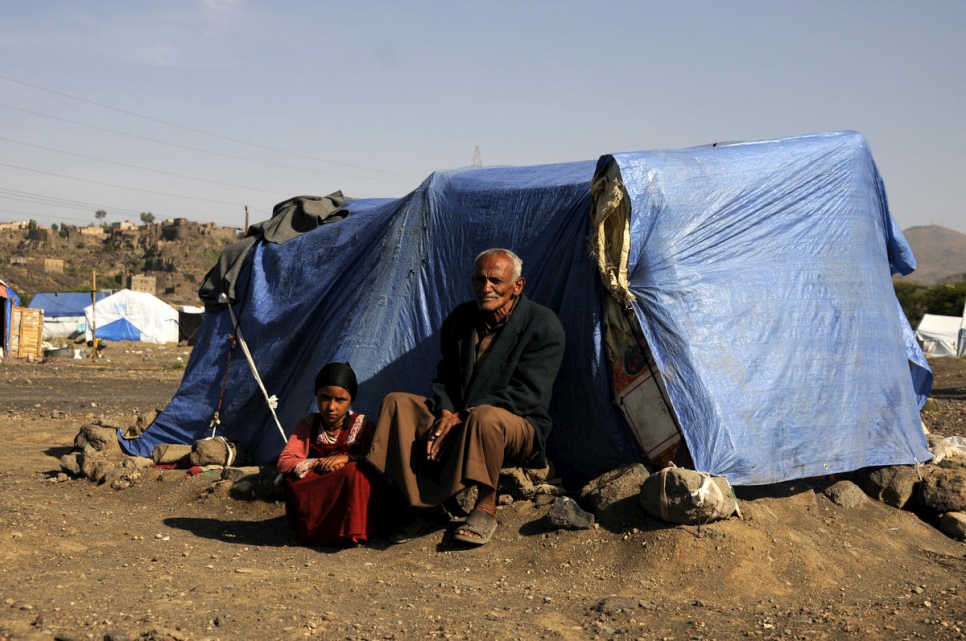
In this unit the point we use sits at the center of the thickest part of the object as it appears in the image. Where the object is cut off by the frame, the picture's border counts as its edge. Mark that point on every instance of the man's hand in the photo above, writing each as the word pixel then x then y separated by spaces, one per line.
pixel 438 433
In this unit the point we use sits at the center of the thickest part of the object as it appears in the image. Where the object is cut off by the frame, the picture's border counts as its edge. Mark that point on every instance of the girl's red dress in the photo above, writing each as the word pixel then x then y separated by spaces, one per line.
pixel 333 507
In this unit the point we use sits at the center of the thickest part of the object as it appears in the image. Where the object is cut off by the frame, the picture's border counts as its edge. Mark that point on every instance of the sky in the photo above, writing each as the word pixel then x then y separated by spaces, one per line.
pixel 199 108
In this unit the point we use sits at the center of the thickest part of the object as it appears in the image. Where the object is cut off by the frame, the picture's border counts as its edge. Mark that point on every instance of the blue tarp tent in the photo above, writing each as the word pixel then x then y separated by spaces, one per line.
pixel 760 275
pixel 59 304
pixel 63 312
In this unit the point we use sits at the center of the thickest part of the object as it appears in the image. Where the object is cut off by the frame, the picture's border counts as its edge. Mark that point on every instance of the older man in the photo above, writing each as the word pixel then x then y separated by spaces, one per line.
pixel 491 395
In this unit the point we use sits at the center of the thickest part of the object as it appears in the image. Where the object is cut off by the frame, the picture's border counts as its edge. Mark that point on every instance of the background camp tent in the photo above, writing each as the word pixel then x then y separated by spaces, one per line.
pixel 133 316
pixel 8 300
pixel 939 335
pixel 63 312
pixel 756 273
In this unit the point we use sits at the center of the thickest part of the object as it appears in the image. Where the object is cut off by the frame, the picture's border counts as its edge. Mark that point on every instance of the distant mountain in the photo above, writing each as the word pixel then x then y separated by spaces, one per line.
pixel 940 254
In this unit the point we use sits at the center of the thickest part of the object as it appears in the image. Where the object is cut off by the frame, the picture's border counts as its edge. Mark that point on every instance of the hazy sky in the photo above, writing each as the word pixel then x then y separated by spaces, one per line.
pixel 190 108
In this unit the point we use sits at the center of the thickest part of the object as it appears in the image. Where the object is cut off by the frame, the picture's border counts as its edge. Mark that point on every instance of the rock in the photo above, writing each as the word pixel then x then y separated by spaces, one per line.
pixel 166 453
pixel 614 495
pixel 894 485
pixel 953 524
pixel 682 498
pixel 259 486
pixel 846 494
pixel 71 463
pixel 538 475
pixel 463 502
pixel 238 473
pixel 102 438
pixel 616 604
pixel 102 468
pixel 943 490
pixel 565 514
pixel 212 451
pixel 87 462
pixel 137 462
pixel 515 482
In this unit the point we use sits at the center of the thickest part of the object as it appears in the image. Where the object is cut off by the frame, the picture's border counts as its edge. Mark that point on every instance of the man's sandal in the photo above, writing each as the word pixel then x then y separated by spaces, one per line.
pixel 479 523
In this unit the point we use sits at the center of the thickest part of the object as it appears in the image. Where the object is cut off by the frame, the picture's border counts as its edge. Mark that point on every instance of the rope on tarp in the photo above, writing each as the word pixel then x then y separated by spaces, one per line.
pixel 272 400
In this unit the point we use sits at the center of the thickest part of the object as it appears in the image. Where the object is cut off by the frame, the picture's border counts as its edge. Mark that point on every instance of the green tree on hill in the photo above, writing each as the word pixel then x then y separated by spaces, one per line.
pixel 147 217
pixel 100 214
pixel 944 299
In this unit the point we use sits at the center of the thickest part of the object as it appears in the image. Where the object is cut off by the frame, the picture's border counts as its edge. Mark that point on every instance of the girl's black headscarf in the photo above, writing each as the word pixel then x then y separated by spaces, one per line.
pixel 338 374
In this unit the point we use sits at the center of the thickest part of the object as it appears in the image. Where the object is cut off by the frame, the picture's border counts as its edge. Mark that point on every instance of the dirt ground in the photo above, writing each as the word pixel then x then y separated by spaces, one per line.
pixel 169 557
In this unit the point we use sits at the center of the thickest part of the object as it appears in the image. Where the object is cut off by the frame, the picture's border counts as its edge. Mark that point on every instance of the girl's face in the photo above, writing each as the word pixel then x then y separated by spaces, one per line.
pixel 333 405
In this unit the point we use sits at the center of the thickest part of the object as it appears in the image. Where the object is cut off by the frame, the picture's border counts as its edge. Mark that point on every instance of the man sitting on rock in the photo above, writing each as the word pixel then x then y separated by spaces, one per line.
pixel 491 395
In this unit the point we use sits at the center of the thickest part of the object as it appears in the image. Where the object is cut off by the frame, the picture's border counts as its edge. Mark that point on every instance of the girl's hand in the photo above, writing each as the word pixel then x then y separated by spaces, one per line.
pixel 332 463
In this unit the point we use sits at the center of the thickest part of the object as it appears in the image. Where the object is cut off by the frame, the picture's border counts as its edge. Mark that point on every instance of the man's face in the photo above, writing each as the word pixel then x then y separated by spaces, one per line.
pixel 494 285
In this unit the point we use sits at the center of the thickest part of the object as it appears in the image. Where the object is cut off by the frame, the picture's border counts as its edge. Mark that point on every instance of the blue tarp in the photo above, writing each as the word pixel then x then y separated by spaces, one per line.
pixel 762 282
pixel 58 304
pixel 762 277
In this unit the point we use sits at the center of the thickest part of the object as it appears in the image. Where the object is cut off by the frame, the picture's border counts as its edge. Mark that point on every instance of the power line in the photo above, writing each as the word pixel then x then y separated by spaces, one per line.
pixel 107 184
pixel 195 130
pixel 56 201
pixel 124 164
pixel 169 144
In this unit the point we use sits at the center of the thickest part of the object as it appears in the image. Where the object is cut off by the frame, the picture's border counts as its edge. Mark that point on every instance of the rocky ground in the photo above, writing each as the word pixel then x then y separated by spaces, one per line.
pixel 178 557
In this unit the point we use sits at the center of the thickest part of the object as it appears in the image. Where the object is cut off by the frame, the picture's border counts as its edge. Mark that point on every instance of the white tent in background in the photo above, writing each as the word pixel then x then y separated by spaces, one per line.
pixel 133 316
pixel 961 349
pixel 940 335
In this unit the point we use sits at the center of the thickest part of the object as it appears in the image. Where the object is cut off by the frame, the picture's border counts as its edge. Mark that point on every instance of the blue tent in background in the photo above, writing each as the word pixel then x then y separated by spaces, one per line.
pixel 759 273
pixel 63 312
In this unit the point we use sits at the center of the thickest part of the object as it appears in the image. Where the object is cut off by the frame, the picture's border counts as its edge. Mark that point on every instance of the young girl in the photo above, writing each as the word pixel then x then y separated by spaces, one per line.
pixel 328 494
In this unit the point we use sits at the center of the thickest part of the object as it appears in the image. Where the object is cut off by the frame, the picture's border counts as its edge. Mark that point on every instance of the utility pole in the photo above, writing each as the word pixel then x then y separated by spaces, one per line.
pixel 245 231
pixel 94 314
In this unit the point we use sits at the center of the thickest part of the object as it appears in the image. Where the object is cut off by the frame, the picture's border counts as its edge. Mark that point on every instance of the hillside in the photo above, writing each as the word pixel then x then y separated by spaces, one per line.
pixel 940 254
pixel 177 253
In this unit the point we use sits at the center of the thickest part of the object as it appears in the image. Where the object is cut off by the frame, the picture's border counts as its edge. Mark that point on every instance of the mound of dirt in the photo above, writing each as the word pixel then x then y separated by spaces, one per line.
pixel 175 556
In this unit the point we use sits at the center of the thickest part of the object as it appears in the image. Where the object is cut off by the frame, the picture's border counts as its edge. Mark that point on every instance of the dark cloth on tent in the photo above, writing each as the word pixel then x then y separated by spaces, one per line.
pixel 338 506
pixel 290 219
pixel 505 398
pixel 473 454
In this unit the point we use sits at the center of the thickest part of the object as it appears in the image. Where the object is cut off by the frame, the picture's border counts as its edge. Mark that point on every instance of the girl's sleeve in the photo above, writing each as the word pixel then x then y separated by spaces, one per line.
pixel 297 448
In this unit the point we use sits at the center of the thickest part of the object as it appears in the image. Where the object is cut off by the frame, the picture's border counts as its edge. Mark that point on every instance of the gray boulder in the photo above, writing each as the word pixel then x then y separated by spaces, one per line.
pixel 895 485
pixel 846 494
pixel 943 490
pixel 71 463
pixel 953 524
pixel 100 437
pixel 614 495
pixel 515 482
pixel 565 514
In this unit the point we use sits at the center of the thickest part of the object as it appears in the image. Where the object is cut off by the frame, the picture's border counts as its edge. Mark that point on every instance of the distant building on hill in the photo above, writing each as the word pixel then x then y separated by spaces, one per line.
pixel 46 265
pixel 142 283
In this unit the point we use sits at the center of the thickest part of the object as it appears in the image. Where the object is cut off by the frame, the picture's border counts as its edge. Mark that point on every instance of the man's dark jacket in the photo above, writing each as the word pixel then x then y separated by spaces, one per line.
pixel 517 372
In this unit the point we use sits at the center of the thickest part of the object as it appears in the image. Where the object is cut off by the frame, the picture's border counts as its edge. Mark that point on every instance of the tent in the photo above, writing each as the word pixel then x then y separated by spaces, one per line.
pixel 132 316
pixel 755 274
pixel 939 335
pixel 63 312
pixel 8 300
pixel 189 322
